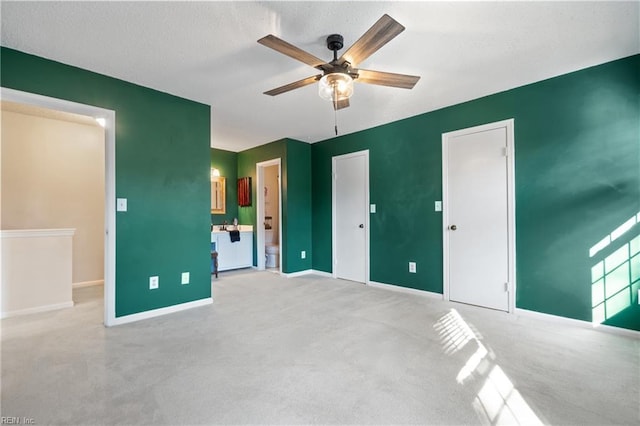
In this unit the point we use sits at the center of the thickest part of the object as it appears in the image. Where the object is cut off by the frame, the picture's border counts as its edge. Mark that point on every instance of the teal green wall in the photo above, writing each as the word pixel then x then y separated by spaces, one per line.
pixel 162 168
pixel 577 166
pixel 297 187
pixel 227 163
pixel 577 179
pixel 296 198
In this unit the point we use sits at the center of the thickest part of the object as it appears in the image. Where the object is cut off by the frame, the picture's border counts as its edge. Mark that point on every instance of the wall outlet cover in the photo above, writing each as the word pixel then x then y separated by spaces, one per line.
pixel 121 204
pixel 185 278
pixel 412 267
pixel 438 206
pixel 154 282
pixel 372 208
pixel 303 254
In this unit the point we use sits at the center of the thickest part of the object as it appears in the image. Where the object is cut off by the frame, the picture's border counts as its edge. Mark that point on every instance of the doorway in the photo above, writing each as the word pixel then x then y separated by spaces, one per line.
pixel 108 117
pixel 269 247
pixel 478 216
pixel 350 216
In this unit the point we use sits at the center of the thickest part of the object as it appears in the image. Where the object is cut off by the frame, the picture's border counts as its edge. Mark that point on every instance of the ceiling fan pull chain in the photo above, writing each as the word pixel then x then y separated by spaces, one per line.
pixel 335 115
pixel 335 107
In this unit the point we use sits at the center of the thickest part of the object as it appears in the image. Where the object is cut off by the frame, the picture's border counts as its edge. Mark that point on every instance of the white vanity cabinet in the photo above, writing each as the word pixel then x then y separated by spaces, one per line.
pixel 234 255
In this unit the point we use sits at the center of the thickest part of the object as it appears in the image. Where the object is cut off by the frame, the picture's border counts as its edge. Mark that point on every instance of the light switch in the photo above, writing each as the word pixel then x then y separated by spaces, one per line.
pixel 372 208
pixel 438 206
pixel 121 205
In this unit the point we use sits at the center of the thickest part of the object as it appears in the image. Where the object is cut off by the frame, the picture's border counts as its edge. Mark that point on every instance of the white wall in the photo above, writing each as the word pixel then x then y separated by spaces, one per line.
pixel 271 207
pixel 53 177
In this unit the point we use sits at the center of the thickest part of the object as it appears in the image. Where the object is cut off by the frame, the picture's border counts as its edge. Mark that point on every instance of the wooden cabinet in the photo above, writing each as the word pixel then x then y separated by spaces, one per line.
pixel 234 255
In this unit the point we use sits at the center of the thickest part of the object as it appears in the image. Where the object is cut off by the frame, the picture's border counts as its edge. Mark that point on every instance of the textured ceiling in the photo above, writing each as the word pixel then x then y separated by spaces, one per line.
pixel 207 52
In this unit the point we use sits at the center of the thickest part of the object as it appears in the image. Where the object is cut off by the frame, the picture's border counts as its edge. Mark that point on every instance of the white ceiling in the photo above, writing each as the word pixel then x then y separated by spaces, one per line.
pixel 207 52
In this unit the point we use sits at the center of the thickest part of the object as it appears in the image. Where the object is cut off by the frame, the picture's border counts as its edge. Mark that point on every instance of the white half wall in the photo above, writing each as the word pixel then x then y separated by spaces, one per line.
pixel 36 270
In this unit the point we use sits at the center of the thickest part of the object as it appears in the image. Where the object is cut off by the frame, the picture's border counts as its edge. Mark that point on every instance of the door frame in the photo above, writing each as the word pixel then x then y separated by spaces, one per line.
pixel 508 125
pixel 334 258
pixel 260 209
pixel 110 180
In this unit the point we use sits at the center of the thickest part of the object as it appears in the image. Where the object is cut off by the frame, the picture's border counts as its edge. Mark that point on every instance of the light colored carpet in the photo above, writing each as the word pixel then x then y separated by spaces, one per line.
pixel 314 350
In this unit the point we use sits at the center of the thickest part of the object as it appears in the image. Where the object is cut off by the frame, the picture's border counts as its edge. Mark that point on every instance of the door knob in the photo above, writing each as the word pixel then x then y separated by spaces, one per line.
pixel 453 227
pixel 361 226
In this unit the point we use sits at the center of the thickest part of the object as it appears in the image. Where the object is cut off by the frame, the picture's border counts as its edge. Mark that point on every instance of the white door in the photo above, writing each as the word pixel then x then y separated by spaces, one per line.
pixel 350 216
pixel 478 215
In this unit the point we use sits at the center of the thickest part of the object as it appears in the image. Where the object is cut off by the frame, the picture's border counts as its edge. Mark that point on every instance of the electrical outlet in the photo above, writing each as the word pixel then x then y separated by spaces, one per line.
pixel 412 267
pixel 154 282
pixel 303 254
pixel 438 206
pixel 372 208
pixel 185 278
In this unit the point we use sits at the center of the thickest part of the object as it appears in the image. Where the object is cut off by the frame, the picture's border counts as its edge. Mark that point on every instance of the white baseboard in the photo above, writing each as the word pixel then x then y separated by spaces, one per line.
pixel 161 311
pixel 308 272
pixel 297 274
pixel 322 273
pixel 577 323
pixel 37 309
pixel 408 290
pixel 87 283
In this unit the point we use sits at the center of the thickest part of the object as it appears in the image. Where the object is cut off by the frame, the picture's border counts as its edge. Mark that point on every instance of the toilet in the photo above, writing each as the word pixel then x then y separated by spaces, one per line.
pixel 272 249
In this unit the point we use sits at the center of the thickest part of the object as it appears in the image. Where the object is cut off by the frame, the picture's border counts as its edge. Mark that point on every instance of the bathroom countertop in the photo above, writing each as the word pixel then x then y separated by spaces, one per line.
pixel 241 228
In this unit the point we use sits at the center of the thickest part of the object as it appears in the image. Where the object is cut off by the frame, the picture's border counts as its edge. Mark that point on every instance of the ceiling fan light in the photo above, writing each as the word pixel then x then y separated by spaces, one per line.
pixel 334 85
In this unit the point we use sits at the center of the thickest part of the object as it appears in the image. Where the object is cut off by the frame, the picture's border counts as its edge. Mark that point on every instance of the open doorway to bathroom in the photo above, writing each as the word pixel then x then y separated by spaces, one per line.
pixel 269 215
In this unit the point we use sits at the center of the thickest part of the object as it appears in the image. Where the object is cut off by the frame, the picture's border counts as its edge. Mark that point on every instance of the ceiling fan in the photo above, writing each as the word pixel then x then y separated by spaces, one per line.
pixel 336 80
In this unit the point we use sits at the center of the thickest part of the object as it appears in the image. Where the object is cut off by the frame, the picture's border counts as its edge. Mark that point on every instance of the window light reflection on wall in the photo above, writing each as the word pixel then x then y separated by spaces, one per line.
pixel 615 278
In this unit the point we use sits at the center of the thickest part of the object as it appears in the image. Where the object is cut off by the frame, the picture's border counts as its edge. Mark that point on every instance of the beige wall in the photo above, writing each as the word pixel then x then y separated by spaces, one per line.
pixel 53 177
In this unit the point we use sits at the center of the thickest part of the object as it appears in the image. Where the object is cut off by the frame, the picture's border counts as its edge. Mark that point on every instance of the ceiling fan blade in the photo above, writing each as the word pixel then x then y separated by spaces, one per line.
pixel 295 85
pixel 340 104
pixel 380 78
pixel 377 36
pixel 290 50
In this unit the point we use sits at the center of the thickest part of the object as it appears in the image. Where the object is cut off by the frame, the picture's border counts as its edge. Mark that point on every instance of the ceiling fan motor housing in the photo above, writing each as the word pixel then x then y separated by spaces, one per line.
pixel 335 42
